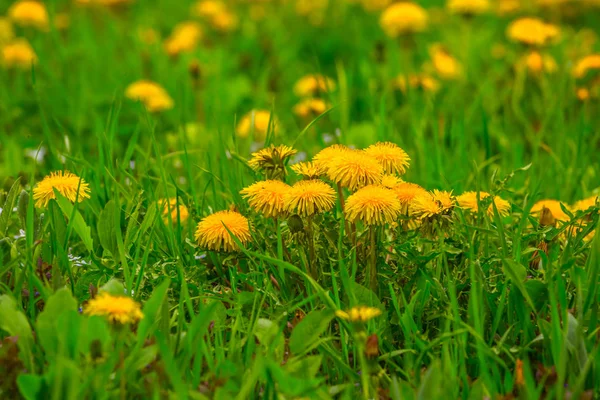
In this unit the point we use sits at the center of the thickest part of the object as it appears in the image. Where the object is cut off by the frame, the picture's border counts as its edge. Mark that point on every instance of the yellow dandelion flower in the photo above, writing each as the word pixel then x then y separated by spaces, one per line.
pixel 468 201
pixel 553 206
pixel 406 192
pixel 505 7
pixel 118 309
pixel 67 184
pixel 152 95
pixel 270 158
pixel 29 13
pixel 324 157
pixel 159 103
pixel 373 205
pixel 586 64
pixel 257 121
pixel 355 169
pixel 225 21
pixel 585 204
pixel 308 170
pixel 359 314
pixel 470 7
pixel 211 233
pixel 532 31
pixel 390 181
pixel 431 204
pixel 266 197
pixel 176 210
pixel 393 158
pixel 184 38
pixel 18 54
pixel 583 94
pixel 6 30
pixel 422 82
pixel 444 199
pixel 404 17
pixel 208 8
pixel 310 108
pixel 309 197
pixel 312 85
pixel 537 63
pixel 446 66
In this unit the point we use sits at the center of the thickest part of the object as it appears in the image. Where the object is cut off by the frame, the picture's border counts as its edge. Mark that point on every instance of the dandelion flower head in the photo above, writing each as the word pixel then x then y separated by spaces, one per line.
pixel 266 197
pixel 67 184
pixel 554 206
pixel 177 210
pixel 470 7
pixel 393 158
pixel 355 169
pixel 403 17
pixel 359 314
pixel 29 13
pixel 324 157
pixel 468 201
pixel 309 197
pixel 311 85
pixel 532 31
pixel 308 169
pixel 586 64
pixel 373 205
pixel 118 309
pixel 259 122
pixel 212 234
pixel 18 54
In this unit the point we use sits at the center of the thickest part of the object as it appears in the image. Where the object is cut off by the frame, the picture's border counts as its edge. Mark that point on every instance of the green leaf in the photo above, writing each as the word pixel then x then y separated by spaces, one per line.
pixel 307 332
pixel 30 386
pixel 517 274
pixel 431 385
pixel 48 330
pixel 15 323
pixel 151 309
pixel 8 207
pixel 76 220
pixel 114 287
pixel 305 367
pixel 107 229
pixel 538 292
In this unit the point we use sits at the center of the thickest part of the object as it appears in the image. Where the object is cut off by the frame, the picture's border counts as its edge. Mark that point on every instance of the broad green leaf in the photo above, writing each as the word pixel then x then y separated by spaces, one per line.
pixel 305 367
pixel 152 309
pixel 15 323
pixel 307 332
pixel 114 287
pixel 432 383
pixel 47 327
pixel 107 229
pixel 78 223
pixel 30 386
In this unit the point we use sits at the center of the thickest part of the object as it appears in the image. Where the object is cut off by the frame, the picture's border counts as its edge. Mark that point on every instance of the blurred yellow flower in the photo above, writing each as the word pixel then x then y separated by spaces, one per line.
pixel 308 170
pixel 266 197
pixel 208 8
pixel 583 94
pixel 29 13
pixel 310 108
pixel 583 205
pixel 421 82
pixel 468 201
pixel 391 156
pixel 373 205
pixel 67 184
pixel 309 197
pixel 446 66
pixel 404 17
pixel 153 96
pixel 537 63
pixel 177 210
pixel 7 32
pixel 312 85
pixel 359 314
pixel 505 7
pixel 117 309
pixel 18 54
pixel 355 169
pixel 184 38
pixel 211 232
pixel 225 21
pixel 375 5
pixel 258 123
pixel 554 206
pixel 532 31
pixel 586 64
pixel 468 6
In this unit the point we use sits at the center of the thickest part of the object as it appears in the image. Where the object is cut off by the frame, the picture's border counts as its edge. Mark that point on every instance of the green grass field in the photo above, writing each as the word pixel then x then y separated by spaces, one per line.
pixel 458 261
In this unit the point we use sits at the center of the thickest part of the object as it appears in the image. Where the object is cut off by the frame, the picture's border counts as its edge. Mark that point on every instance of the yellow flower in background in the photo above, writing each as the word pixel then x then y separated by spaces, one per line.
pixel 537 63
pixel 446 66
pixel 586 64
pixel 583 94
pixel 177 210
pixel 553 206
pixel 271 157
pixel 29 13
pixel 373 205
pixel 154 97
pixel 355 169
pixel 311 85
pixel 359 314
pixel 7 32
pixel 310 108
pixel 532 31
pixel 208 8
pixel 67 184
pixel 308 170
pixel 375 5
pixel 309 197
pixel 468 6
pixel 266 197
pixel 468 201
pixel 323 158
pixel 225 21
pixel 391 156
pixel 211 233
pixel 184 38
pixel 421 82
pixel 18 54
pixel 585 204
pixel 257 122
pixel 402 18
pixel 117 309
pixel 505 7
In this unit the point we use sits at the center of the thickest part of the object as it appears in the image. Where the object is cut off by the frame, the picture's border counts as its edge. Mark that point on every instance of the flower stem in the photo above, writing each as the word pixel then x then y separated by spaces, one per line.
pixel 312 268
pixel 343 206
pixel 372 267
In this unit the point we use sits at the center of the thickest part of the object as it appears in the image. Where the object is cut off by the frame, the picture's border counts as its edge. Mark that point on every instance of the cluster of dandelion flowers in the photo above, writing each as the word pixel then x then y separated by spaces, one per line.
pixel 308 170
pixel 468 7
pixel 359 314
pixel 257 122
pixel 532 31
pixel 373 205
pixel 29 13
pixel 18 54
pixel 553 206
pixel 266 197
pixel 355 169
pixel 311 85
pixel 67 184
pixel 402 18
pixel 212 232
pixel 468 201
pixel 309 197
pixel 154 97
pixel 393 158
pixel 176 208
pixel 324 157
pixel 117 309
pixel 431 204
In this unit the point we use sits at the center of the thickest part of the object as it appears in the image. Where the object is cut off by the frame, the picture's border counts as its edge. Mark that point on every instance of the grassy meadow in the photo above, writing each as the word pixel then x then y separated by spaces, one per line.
pixel 299 199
